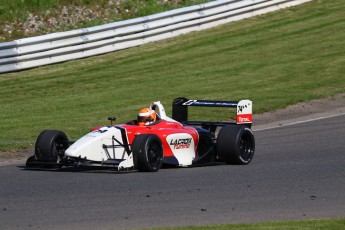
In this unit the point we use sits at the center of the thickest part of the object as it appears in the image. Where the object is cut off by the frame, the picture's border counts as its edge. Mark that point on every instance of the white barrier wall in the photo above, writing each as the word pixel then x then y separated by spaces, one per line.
pixel 59 47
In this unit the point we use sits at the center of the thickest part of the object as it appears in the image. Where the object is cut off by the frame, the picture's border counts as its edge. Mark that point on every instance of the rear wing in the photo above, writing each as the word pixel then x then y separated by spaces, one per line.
pixel 243 109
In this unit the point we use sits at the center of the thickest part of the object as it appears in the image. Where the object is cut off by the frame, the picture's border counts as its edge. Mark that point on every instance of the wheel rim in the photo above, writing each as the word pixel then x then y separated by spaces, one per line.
pixel 59 148
pixel 154 154
pixel 246 147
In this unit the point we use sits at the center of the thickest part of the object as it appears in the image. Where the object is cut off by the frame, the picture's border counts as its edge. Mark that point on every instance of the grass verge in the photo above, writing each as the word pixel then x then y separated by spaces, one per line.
pixel 23 18
pixel 327 224
pixel 278 59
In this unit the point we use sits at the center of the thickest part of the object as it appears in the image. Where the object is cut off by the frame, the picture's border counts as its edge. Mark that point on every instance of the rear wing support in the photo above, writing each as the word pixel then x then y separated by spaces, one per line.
pixel 243 108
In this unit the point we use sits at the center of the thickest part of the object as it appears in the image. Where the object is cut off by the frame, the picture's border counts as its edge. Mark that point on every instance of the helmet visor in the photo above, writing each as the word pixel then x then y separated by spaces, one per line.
pixel 145 119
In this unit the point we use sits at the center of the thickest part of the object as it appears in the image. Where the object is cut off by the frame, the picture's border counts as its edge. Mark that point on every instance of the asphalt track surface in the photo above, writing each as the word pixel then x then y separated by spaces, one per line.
pixel 298 172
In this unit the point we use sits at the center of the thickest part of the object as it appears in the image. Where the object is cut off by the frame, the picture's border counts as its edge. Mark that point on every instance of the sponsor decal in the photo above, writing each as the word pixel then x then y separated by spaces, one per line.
pixel 101 131
pixel 182 147
pixel 241 108
pixel 244 118
pixel 190 102
pixel 181 143
pixel 210 103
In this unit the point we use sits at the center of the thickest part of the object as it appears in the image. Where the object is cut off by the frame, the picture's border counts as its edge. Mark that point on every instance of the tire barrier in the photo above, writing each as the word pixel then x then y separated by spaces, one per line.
pixel 64 46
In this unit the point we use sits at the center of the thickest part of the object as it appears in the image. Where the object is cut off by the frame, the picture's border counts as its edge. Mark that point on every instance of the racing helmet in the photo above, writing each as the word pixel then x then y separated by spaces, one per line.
pixel 146 116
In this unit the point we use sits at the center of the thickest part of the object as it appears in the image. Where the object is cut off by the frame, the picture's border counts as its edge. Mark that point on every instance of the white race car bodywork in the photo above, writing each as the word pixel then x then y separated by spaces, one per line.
pixel 182 146
pixel 93 146
pixel 173 141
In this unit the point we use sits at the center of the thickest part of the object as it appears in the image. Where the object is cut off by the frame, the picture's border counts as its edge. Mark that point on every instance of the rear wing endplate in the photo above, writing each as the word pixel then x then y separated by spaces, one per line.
pixel 243 108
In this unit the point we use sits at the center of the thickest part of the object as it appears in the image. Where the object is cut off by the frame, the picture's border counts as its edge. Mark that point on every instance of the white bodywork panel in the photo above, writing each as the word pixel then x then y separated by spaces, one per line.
pixel 182 146
pixel 244 112
pixel 161 111
pixel 244 107
pixel 90 146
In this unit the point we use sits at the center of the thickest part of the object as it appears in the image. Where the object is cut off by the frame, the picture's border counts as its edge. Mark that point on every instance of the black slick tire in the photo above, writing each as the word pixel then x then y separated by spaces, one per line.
pixel 50 146
pixel 235 145
pixel 147 153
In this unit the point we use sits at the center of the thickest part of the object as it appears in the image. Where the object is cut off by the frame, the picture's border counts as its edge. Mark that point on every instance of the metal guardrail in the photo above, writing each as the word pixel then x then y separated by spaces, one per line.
pixel 64 46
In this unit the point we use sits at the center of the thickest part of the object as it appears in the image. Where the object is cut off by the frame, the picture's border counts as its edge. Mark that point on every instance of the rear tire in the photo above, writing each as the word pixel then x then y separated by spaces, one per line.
pixel 235 145
pixel 147 153
pixel 50 146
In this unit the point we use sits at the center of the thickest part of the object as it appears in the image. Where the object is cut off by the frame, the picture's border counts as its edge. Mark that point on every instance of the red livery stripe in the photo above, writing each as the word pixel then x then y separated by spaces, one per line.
pixel 244 118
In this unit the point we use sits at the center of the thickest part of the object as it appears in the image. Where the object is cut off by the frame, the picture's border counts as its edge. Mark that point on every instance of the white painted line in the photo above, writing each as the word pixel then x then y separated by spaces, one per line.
pixel 298 122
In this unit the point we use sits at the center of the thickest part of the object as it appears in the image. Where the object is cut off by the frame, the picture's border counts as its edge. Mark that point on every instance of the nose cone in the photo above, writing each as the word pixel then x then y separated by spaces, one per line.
pixel 91 146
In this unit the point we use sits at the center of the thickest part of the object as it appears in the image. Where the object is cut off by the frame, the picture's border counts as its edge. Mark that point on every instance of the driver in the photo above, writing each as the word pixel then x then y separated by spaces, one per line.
pixel 146 116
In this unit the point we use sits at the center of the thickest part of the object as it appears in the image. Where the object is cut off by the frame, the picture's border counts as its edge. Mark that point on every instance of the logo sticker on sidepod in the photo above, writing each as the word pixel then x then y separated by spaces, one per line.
pixel 180 143
pixel 182 146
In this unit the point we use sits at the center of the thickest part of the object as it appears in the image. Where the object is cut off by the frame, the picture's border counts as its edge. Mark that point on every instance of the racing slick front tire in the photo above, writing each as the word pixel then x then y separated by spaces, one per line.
pixel 235 144
pixel 50 147
pixel 147 153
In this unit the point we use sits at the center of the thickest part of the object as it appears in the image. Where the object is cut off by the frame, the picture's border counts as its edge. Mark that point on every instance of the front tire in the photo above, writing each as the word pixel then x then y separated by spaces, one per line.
pixel 235 145
pixel 50 146
pixel 147 153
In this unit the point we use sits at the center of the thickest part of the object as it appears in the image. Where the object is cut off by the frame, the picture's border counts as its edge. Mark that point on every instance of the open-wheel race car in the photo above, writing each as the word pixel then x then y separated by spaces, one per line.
pixel 172 141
